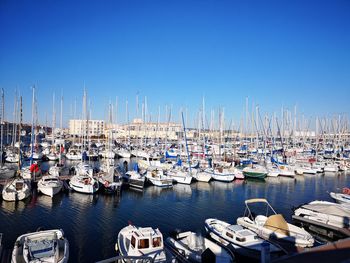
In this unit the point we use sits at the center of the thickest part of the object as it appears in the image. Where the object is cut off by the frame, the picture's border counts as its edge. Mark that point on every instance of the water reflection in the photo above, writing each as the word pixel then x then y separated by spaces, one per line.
pixel 92 222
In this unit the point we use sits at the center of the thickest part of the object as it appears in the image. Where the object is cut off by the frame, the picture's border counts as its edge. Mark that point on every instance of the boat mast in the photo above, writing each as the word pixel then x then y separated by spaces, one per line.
pixel 188 155
pixel 32 134
pixel 19 136
pixel 2 117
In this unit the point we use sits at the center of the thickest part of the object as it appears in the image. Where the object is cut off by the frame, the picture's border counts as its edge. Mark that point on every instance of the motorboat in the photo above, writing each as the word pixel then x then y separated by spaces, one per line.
pixel 41 246
pixel 50 185
pixel 273 226
pixel 286 170
pixel 273 171
pixel 238 239
pixel 135 179
pixel 325 218
pixel 141 241
pixel 158 178
pixel 195 248
pixel 180 175
pixel 341 198
pixel 201 176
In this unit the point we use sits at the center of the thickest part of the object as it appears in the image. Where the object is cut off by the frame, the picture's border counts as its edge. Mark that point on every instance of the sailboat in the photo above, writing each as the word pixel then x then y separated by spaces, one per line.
pixel 5 171
pixel 18 188
pixel 83 181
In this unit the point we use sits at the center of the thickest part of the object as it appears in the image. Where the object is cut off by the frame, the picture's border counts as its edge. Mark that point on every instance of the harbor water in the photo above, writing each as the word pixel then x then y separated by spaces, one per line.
pixel 92 222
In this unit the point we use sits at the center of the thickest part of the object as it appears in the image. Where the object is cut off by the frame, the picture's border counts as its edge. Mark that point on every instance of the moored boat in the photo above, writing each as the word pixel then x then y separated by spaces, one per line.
pixel 141 241
pixel 41 246
pixel 273 226
pixel 194 248
pixel 238 239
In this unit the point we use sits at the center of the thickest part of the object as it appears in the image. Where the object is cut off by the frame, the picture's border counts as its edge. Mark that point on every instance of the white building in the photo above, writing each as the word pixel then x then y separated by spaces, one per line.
pixel 140 129
pixel 83 127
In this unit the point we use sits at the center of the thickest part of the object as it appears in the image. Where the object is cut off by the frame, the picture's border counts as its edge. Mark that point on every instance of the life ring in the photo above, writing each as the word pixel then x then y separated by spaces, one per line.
pixel 346 191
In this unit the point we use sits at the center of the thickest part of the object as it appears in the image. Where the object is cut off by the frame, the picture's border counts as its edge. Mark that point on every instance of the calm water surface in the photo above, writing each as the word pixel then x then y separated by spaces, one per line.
pixel 92 222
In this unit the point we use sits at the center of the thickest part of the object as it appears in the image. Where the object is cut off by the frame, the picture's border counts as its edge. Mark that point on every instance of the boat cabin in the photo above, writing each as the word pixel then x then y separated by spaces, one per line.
pixel 147 239
pixel 237 234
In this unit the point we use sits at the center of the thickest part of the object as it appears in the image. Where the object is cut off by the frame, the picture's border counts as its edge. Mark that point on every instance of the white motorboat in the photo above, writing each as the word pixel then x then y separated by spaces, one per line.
pixel 16 190
pixel 238 239
pixel 221 174
pixel 272 171
pixel 135 179
pixel 180 176
pixel 201 176
pixel 340 198
pixel 191 247
pixel 158 178
pixel 84 184
pixel 50 185
pixel 41 246
pixel 272 226
pixel 325 218
pixel 141 241
pixel 286 171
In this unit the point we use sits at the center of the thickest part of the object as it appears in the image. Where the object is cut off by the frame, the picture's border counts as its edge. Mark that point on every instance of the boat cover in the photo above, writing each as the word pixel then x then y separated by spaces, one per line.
pixel 329 208
pixel 278 224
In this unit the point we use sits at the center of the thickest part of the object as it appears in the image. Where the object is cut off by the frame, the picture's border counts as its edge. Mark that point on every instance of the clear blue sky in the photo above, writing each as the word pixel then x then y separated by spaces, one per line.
pixel 174 52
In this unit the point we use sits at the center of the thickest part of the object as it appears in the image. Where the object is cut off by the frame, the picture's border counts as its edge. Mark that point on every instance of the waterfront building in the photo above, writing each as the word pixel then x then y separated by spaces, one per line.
pixel 86 127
